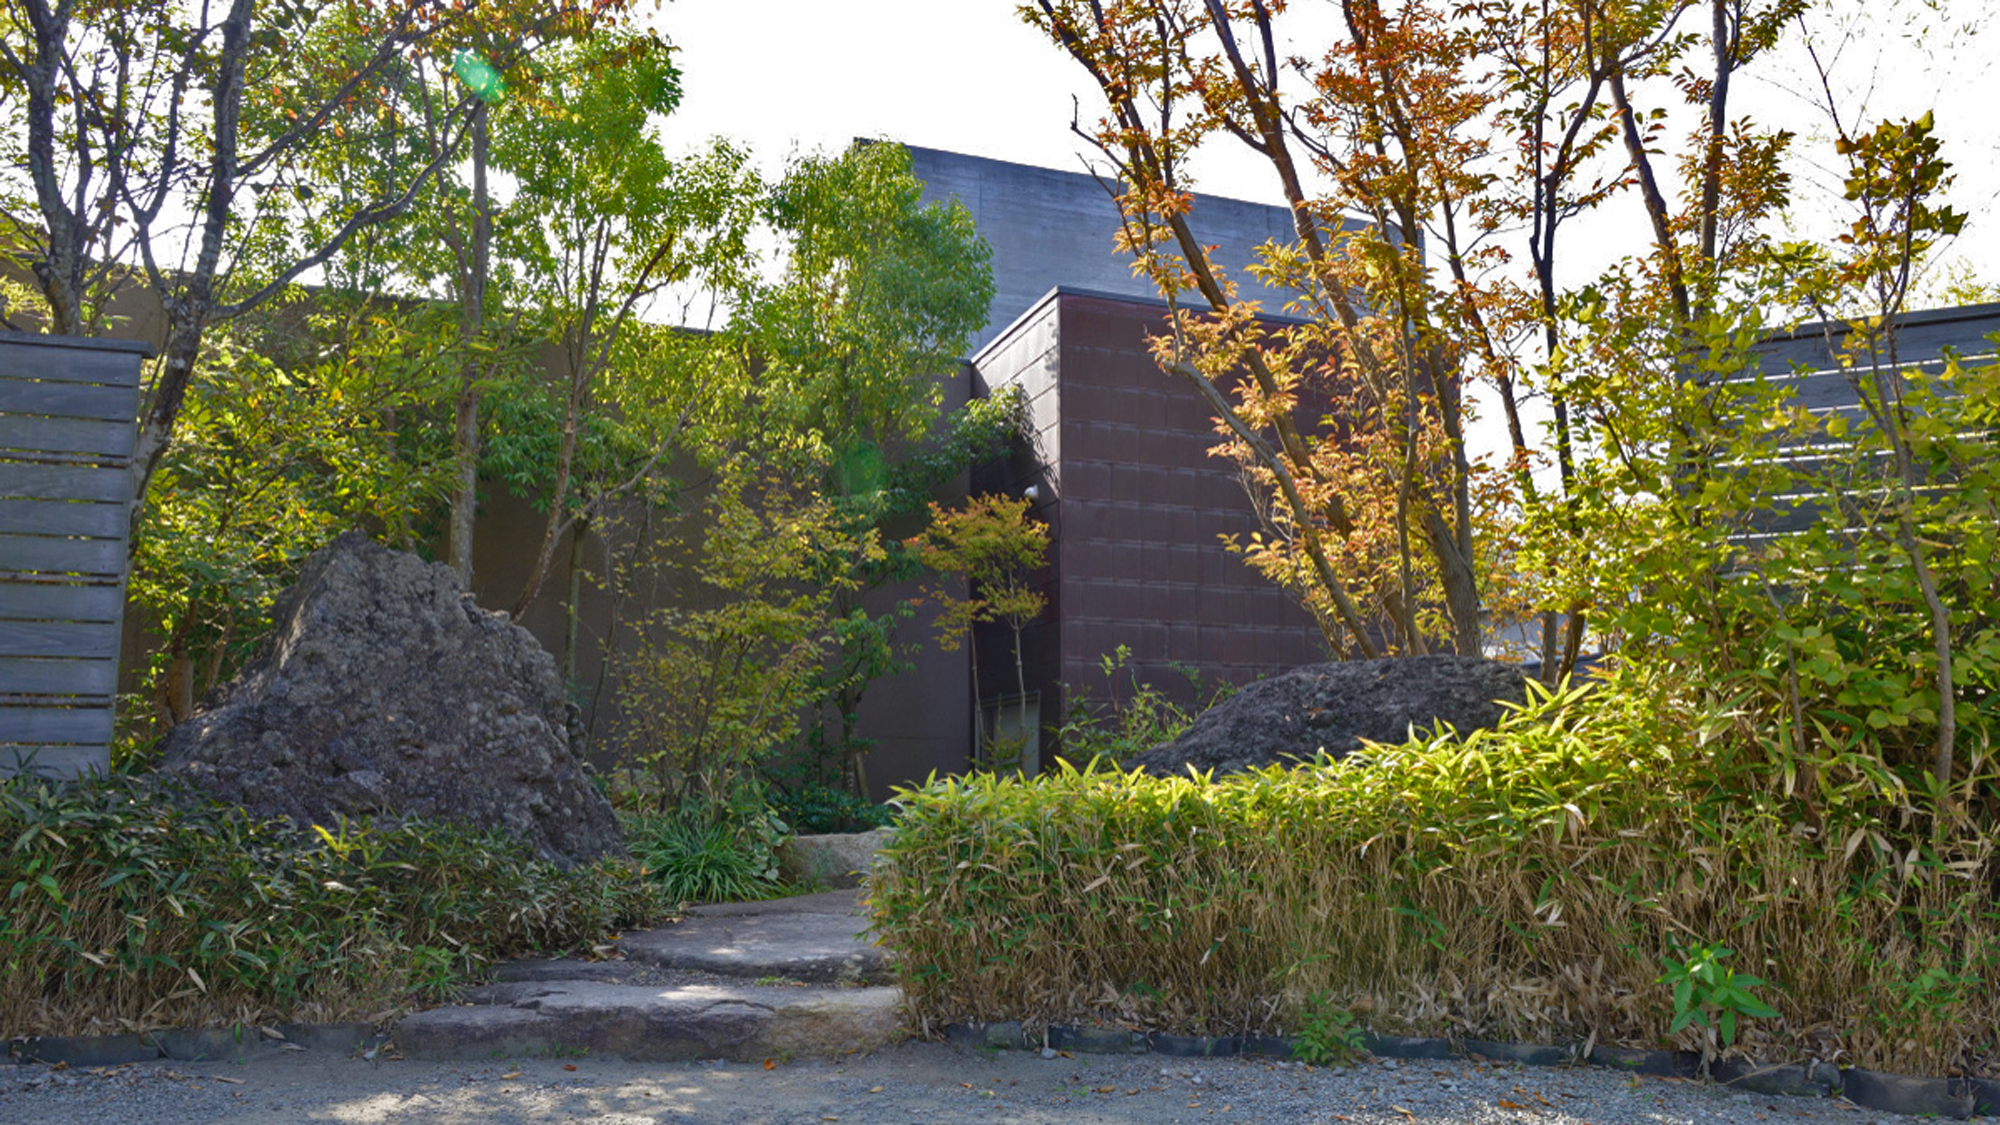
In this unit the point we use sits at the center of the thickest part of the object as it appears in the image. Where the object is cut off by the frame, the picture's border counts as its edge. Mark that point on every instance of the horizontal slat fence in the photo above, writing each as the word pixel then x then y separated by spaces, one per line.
pixel 67 410
pixel 1805 361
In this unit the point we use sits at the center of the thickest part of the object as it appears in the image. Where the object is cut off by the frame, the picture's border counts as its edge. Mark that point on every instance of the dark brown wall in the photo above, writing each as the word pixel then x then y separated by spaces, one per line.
pixel 1135 505
pixel 918 720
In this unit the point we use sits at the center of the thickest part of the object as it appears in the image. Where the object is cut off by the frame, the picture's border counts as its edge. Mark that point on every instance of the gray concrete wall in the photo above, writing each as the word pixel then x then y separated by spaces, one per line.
pixel 1050 228
pixel 1026 356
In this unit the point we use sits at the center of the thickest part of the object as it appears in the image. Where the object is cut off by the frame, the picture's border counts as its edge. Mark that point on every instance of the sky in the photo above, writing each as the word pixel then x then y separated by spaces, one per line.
pixel 790 76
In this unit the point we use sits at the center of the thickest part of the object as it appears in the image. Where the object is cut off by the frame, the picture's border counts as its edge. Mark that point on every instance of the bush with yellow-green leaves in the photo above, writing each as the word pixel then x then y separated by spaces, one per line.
pixel 1540 882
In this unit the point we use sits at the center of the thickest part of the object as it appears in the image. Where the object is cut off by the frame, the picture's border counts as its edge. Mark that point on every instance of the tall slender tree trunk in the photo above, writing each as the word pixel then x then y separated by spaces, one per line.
pixel 1021 685
pixel 573 620
pixel 472 320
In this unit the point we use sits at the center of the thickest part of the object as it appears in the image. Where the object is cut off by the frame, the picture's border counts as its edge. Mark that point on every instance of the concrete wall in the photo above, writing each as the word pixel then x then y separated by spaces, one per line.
pixel 1050 227
pixel 1027 356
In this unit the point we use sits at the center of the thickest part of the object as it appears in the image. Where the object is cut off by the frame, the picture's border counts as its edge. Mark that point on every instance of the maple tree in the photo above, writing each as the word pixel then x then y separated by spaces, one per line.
pixel 1423 150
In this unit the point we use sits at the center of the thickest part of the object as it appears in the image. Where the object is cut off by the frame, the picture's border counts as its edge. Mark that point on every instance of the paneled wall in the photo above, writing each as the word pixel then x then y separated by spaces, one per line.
pixel 66 428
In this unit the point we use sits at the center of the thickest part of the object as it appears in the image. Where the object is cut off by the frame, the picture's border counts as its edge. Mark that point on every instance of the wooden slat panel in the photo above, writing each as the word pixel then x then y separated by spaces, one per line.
pixel 58 677
pixel 49 555
pixel 58 601
pixel 68 400
pixel 55 761
pixel 69 365
pixel 64 482
pixel 55 724
pixel 1916 340
pixel 62 517
pixel 65 435
pixel 1783 519
pixel 58 638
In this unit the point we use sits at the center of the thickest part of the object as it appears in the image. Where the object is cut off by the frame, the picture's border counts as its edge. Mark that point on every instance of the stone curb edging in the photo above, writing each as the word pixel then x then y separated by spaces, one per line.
pixel 197 1044
pixel 1956 1098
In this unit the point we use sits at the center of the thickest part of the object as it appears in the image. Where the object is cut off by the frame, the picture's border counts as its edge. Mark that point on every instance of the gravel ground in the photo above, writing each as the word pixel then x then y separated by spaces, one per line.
pixel 922 1083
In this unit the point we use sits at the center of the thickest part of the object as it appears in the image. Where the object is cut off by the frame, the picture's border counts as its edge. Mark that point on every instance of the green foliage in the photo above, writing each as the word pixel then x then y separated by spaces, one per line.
pixel 1541 870
pixel 313 419
pixel 717 683
pixel 813 807
pixel 992 549
pixel 1824 627
pixel 1327 1035
pixel 1711 996
pixel 129 906
pixel 707 854
pixel 1134 719
pixel 878 298
pixel 991 544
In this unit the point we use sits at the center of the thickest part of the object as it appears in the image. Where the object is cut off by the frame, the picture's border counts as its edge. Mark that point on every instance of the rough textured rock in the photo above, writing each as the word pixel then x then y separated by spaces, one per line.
pixel 383 691
pixel 1333 707
pixel 833 859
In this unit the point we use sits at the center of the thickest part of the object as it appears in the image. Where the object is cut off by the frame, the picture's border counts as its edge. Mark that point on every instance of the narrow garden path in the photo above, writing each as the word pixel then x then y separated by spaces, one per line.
pixel 790 977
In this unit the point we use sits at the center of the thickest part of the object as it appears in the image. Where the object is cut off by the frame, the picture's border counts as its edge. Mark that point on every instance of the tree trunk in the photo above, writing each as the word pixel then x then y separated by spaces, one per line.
pixel 572 629
pixel 1021 683
pixel 472 318
pixel 163 409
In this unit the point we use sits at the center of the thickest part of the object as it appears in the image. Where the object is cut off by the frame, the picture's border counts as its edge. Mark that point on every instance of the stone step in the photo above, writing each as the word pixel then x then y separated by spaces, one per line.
pixel 814 938
pixel 742 981
pixel 642 1023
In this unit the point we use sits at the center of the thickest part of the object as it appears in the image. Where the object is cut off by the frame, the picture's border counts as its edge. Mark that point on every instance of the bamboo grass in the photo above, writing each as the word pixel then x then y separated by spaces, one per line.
pixel 128 910
pixel 1526 883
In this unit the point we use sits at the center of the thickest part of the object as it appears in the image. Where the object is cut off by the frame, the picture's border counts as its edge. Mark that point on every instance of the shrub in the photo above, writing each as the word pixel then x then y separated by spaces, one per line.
pixel 129 910
pixel 719 681
pixel 1522 883
pixel 707 854
pixel 1136 718
pixel 813 807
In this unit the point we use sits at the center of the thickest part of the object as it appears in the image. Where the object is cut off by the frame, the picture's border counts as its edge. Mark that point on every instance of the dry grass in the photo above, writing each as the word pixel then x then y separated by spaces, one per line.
pixel 1523 884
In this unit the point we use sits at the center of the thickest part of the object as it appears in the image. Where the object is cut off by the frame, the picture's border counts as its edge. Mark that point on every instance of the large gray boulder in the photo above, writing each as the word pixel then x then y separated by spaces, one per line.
pixel 384 692
pixel 1333 707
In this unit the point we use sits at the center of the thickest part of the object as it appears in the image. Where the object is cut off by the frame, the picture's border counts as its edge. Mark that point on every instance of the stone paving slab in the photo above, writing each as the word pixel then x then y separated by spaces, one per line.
pixel 815 938
pixel 847 901
pixel 738 1022
pixel 745 981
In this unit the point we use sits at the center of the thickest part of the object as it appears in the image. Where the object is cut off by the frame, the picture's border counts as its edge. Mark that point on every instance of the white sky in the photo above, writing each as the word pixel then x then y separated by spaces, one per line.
pixel 969 75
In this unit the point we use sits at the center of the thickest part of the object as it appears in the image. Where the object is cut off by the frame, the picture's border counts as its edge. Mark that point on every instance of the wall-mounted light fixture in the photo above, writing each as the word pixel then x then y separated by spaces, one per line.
pixel 1032 492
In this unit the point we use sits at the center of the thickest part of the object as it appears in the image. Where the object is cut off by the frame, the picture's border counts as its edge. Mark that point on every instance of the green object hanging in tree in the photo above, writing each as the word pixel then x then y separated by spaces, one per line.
pixel 480 76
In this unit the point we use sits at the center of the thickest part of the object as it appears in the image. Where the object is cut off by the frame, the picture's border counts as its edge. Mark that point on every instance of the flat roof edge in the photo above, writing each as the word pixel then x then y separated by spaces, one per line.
pixel 82 343
pixel 1988 311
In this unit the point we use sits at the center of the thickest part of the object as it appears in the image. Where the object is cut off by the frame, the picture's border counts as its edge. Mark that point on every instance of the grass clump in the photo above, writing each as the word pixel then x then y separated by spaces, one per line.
pixel 699 854
pixel 1524 883
pixel 127 911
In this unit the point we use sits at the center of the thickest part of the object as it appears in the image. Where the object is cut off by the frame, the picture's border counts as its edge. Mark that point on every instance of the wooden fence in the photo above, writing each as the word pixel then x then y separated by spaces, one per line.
pixel 67 411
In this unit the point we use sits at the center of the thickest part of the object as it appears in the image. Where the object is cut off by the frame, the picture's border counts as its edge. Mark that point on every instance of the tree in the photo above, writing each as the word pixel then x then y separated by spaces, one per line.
pixel 311 421
pixel 855 335
pixel 173 145
pixel 1403 123
pixel 992 549
pixel 719 682
pixel 602 222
